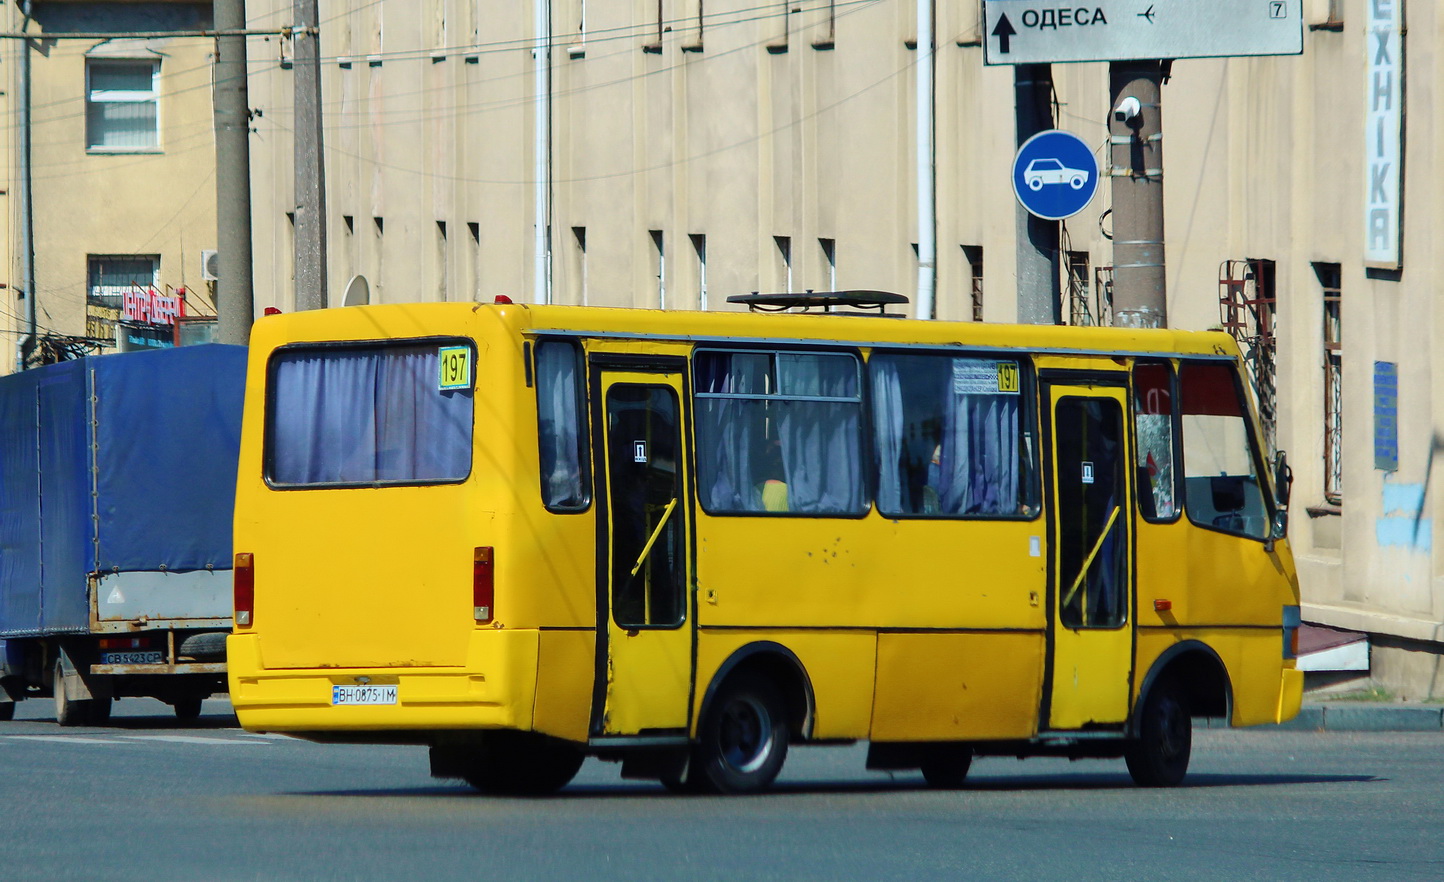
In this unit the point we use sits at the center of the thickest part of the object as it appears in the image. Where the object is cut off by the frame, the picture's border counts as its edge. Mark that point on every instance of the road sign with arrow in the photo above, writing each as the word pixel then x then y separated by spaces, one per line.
pixel 1049 31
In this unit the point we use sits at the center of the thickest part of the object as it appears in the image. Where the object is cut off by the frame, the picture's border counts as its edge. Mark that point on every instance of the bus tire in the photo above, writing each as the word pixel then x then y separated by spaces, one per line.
pixel 743 740
pixel 523 764
pixel 1159 756
pixel 947 769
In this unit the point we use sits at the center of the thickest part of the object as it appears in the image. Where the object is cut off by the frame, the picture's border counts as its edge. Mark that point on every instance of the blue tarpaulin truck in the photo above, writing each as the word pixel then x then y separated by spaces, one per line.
pixel 117 485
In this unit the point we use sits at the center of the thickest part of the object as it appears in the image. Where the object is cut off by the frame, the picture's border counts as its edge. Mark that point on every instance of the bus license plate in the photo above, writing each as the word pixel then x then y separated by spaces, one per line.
pixel 363 695
pixel 132 658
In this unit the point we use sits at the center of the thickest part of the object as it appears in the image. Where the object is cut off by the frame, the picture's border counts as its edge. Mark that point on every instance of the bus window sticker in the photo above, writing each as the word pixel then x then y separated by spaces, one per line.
pixel 976 377
pixel 455 368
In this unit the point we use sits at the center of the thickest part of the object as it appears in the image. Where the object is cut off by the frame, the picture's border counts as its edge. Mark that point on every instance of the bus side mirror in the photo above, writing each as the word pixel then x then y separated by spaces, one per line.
pixel 1283 484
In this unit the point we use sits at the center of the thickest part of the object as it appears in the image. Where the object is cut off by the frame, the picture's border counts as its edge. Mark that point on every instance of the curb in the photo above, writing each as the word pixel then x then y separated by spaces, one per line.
pixel 1364 718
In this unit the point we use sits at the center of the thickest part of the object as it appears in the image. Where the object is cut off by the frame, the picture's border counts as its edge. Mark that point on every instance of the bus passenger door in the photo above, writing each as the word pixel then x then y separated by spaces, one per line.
pixel 645 555
pixel 1090 624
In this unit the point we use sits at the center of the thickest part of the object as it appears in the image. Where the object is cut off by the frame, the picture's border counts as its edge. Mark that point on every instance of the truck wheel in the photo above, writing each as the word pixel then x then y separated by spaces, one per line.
pixel 947 768
pixel 7 710
pixel 68 712
pixel 99 711
pixel 187 708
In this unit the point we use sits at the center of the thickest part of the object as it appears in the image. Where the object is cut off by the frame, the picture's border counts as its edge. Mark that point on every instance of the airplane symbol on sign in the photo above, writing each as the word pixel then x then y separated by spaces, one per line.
pixel 1148 14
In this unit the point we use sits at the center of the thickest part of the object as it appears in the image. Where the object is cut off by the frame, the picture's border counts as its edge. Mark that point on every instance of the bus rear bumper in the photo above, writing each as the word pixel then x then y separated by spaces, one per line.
pixel 494 690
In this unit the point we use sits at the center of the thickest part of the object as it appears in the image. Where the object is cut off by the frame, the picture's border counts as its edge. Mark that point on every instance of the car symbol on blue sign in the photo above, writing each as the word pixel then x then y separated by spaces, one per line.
pixel 1055 174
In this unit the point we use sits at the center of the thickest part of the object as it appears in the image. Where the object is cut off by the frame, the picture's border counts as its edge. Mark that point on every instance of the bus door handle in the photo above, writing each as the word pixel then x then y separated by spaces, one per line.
pixel 651 540
pixel 1088 561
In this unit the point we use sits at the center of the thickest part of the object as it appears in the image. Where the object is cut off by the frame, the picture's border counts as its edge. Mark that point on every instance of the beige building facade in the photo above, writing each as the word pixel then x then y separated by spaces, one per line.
pixel 669 153
pixel 121 174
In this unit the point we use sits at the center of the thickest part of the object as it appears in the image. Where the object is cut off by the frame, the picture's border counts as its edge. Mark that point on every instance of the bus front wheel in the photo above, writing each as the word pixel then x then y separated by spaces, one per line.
pixel 743 740
pixel 1159 756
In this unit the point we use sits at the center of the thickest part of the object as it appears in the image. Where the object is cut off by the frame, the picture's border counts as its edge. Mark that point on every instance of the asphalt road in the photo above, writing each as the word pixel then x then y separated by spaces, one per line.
pixel 147 799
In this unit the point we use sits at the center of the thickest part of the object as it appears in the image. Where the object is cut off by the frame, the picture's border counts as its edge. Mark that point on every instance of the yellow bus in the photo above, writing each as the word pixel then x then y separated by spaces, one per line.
pixel 523 535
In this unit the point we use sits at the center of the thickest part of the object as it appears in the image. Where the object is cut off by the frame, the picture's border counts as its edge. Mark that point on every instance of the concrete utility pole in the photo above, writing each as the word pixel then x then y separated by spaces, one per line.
pixel 235 297
pixel 1135 129
pixel 1038 261
pixel 310 271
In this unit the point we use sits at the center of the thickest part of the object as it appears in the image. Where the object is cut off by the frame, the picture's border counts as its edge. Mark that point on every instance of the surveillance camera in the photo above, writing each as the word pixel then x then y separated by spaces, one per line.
pixel 1128 109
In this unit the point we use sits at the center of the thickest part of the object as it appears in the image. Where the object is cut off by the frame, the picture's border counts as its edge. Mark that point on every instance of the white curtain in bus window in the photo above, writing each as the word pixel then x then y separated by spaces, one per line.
pixel 949 435
pixel 1153 421
pixel 1221 486
pixel 779 432
pixel 366 415
pixel 559 426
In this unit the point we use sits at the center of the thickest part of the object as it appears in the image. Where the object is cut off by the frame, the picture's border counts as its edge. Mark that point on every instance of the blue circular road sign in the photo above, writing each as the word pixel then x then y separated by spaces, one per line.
pixel 1055 174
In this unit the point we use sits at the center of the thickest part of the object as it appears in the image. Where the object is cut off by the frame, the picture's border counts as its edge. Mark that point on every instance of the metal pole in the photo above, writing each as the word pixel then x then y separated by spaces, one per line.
pixel 1038 265
pixel 310 271
pixel 235 293
pixel 926 189
pixel 25 344
pixel 1136 138
pixel 541 154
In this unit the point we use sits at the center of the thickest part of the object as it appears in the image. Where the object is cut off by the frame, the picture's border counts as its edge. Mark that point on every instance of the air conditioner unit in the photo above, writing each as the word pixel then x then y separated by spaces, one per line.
pixel 210 265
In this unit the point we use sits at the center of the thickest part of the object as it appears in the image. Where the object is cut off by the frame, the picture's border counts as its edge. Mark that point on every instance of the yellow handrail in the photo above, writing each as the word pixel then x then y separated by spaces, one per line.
pixel 1088 562
pixel 646 549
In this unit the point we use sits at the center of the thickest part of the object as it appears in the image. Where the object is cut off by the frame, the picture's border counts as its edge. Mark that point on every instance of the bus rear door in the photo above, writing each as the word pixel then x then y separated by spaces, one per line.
pixel 1091 620
pixel 644 566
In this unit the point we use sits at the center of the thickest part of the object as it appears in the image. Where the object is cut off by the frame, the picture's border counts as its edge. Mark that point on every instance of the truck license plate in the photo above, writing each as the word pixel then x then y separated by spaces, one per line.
pixel 132 658
pixel 363 695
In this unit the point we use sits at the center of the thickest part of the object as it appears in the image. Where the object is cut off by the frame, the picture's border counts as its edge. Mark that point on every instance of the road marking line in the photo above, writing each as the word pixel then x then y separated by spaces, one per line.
pixel 185 739
pixel 68 739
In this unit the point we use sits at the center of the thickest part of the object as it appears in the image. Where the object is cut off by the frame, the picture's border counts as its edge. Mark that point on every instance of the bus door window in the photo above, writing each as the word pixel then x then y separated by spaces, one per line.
pixel 951 436
pixel 1092 523
pixel 1153 429
pixel 648 563
pixel 1220 471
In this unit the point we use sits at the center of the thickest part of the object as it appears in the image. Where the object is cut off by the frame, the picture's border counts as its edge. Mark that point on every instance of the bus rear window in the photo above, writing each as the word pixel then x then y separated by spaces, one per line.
pixel 365 415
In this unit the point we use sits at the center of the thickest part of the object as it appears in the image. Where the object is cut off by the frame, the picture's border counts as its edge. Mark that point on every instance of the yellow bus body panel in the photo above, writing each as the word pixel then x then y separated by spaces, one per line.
pixel 839 666
pixel 958 687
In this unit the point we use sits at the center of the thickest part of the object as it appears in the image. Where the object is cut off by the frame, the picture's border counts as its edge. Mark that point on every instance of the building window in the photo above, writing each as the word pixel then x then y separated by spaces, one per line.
pixel 658 246
pixel 699 245
pixel 1329 281
pixel 1247 305
pixel 122 105
pixel 1080 298
pixel 109 279
pixel 973 254
pixel 784 254
pixel 829 261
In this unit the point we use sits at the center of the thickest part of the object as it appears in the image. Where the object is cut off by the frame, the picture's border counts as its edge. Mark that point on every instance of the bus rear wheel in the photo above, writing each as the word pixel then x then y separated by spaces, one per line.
pixel 1159 757
pixel 523 764
pixel 743 740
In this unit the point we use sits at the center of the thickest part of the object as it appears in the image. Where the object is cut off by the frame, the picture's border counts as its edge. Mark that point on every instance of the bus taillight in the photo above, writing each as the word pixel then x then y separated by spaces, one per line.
pixel 243 581
pixel 483 585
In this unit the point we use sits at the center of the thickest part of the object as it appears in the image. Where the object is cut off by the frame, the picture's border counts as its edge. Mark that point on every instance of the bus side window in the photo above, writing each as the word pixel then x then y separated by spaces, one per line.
pixel 1220 476
pixel 950 436
pixel 561 427
pixel 1153 429
pixel 779 432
